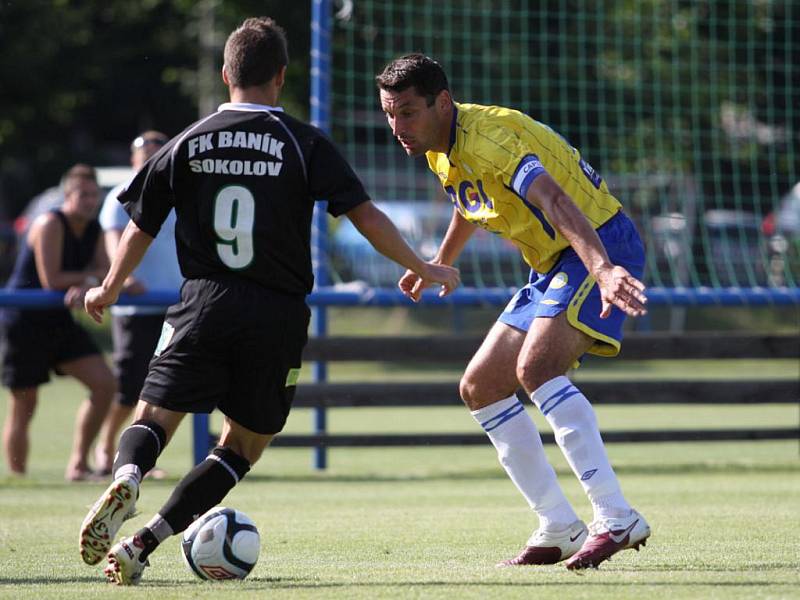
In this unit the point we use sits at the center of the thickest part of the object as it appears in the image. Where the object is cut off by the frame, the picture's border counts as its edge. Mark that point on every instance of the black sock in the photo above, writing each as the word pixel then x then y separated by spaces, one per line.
pixel 149 541
pixel 204 487
pixel 140 444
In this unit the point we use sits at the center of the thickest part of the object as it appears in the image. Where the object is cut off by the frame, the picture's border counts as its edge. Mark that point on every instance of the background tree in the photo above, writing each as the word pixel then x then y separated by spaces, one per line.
pixel 78 80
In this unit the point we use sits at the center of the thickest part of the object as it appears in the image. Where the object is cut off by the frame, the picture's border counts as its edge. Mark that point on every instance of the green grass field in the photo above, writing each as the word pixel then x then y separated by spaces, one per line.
pixel 432 522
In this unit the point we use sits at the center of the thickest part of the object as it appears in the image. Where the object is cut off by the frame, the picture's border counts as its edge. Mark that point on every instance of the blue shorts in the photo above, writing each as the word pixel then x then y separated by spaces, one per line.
pixel 569 287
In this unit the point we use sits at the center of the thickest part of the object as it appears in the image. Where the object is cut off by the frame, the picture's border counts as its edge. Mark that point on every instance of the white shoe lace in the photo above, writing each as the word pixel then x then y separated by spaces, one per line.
pixel 601 526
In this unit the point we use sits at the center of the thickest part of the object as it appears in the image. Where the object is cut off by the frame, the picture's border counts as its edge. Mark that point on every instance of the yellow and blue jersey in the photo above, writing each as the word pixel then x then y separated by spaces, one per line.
pixel 495 154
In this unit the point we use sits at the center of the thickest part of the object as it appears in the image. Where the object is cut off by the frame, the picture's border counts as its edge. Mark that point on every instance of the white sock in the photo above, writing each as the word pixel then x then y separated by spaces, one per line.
pixel 160 528
pixel 519 448
pixel 129 471
pixel 575 426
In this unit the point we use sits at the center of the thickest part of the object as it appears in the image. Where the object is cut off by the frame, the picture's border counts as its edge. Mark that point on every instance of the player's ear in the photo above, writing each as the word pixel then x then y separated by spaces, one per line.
pixel 444 100
pixel 225 79
pixel 280 77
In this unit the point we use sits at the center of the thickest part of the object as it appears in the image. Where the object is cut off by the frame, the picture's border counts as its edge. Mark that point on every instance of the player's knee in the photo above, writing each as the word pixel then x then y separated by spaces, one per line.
pixel 477 393
pixel 469 390
pixel 529 375
pixel 533 373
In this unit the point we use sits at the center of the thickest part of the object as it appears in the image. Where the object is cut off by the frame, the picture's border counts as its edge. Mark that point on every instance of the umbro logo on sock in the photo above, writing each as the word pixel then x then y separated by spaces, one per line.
pixel 588 475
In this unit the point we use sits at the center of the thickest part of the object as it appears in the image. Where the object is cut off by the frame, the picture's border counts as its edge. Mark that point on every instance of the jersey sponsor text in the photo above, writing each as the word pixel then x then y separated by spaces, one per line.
pixel 235 167
pixel 236 139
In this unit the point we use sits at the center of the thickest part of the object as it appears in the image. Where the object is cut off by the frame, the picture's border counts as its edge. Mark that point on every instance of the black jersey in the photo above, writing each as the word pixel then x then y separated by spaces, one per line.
pixel 243 182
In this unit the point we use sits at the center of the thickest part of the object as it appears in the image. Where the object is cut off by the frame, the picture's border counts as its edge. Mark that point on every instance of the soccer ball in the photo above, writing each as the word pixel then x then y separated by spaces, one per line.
pixel 221 544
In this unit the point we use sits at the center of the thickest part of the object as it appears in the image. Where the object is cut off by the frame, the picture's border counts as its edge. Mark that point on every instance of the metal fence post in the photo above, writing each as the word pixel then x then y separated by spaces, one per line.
pixel 320 109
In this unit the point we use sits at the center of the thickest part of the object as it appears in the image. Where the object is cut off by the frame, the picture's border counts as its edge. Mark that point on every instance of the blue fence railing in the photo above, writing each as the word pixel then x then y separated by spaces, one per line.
pixel 334 296
pixel 376 297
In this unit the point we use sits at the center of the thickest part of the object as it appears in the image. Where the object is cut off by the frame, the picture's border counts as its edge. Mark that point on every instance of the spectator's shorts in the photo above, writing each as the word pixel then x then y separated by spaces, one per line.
pixel 31 346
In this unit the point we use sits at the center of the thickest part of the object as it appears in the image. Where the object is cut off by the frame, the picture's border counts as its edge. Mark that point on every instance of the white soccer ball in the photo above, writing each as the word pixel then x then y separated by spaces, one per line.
pixel 221 544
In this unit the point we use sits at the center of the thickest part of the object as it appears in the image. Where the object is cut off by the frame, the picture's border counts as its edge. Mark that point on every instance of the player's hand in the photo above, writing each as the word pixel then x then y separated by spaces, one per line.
pixel 96 300
pixel 412 284
pixel 621 289
pixel 449 277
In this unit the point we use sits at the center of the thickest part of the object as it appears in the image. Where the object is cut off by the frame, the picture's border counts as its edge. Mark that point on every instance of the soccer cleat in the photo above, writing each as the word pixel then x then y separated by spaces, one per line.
pixel 609 536
pixel 115 505
pixel 549 547
pixel 124 566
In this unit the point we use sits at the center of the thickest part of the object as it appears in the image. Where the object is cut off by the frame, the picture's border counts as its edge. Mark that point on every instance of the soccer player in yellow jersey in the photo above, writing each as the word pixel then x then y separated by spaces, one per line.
pixel 516 177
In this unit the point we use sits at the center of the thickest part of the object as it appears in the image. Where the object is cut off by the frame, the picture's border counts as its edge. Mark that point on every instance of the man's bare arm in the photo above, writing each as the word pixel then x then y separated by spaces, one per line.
pixel 617 286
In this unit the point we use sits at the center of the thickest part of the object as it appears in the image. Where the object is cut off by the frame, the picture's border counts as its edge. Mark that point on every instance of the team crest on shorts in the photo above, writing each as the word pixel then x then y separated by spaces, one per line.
pixel 559 281
pixel 167 331
pixel 292 376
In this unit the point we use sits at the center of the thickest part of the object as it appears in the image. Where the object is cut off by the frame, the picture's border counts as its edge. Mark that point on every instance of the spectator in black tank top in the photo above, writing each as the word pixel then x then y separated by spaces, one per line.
pixel 63 251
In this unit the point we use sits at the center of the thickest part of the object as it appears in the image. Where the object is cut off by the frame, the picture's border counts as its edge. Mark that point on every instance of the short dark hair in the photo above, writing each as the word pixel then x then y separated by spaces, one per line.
pixel 255 52
pixel 78 172
pixel 416 70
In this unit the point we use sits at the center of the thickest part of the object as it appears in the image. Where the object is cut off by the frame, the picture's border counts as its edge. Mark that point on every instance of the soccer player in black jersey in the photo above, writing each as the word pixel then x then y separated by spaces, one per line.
pixel 243 182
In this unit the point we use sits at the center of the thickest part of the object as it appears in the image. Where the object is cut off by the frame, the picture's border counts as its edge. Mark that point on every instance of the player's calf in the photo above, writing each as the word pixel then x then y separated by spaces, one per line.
pixel 139 447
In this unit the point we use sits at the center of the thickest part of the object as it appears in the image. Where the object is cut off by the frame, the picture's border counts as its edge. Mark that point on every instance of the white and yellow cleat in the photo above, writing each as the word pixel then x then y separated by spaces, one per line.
pixel 116 505
pixel 124 564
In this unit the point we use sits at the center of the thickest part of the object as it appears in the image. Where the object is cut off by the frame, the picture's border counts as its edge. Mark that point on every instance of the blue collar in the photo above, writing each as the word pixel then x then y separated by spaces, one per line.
pixel 453 129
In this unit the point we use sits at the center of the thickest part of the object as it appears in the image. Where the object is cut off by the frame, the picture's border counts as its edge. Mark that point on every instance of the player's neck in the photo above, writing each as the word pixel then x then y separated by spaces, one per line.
pixel 443 143
pixel 267 95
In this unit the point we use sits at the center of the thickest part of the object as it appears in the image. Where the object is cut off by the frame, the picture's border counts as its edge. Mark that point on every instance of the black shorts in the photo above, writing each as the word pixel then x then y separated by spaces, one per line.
pixel 135 338
pixel 234 345
pixel 33 344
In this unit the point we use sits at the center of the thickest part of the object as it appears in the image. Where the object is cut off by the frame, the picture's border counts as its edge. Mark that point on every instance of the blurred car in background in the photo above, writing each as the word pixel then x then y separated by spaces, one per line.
pixel 41 203
pixel 735 249
pixel 487 259
pixel 782 227
pixel 12 236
